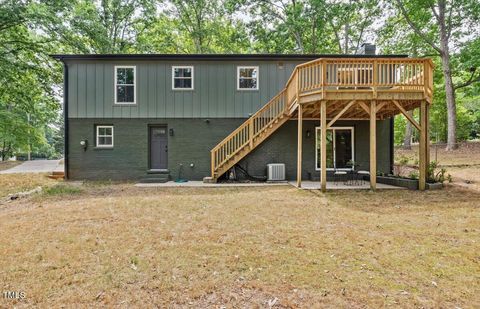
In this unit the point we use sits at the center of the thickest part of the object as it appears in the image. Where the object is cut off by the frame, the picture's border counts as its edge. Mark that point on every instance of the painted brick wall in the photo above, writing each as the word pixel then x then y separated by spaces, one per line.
pixel 192 141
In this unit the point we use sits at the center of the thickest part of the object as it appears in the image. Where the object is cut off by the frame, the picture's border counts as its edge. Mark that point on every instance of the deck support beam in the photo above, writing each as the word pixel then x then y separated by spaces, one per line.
pixel 422 175
pixel 409 118
pixel 373 145
pixel 323 146
pixel 347 107
pixel 427 134
pixel 299 145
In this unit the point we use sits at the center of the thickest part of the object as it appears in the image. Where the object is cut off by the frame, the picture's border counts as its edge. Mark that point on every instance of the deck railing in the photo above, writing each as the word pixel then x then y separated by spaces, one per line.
pixel 327 74
pixel 247 131
pixel 365 73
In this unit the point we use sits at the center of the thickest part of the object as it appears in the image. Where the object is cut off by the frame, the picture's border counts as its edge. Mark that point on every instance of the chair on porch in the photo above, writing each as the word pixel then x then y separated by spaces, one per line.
pixel 362 175
pixel 338 175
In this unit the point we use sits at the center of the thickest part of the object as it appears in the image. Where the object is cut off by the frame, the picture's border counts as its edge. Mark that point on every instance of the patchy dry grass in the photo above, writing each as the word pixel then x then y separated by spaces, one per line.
pixel 5 165
pixel 468 177
pixel 13 183
pixel 468 153
pixel 118 245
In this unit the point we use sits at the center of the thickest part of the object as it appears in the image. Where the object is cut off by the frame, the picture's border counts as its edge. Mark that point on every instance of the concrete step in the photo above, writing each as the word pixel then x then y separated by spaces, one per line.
pixel 156 177
pixel 153 180
pixel 209 180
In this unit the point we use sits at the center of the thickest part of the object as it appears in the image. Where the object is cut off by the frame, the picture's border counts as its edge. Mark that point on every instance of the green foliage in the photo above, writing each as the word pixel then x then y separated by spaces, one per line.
pixel 27 100
pixel 62 189
pixel 30 30
pixel 401 165
pixel 436 174
pixel 413 175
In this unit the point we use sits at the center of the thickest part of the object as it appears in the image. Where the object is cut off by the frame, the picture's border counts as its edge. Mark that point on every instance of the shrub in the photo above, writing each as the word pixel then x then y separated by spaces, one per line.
pixel 437 175
pixel 399 168
pixel 413 175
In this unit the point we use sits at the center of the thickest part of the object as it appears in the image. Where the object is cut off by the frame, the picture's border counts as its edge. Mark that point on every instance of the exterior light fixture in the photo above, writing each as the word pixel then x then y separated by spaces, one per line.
pixel 84 144
pixel 170 132
pixel 307 133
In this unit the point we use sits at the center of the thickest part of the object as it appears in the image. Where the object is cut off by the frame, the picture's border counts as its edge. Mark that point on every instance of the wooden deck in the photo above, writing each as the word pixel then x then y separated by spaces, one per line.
pixel 331 89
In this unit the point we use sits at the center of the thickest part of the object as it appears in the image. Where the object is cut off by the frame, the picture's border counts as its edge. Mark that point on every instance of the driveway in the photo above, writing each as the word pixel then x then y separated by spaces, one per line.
pixel 35 166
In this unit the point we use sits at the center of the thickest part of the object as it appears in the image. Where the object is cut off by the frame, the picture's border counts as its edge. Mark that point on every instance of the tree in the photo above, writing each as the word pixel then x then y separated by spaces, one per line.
pixel 311 26
pixel 441 24
pixel 27 100
pixel 98 26
pixel 351 21
pixel 194 17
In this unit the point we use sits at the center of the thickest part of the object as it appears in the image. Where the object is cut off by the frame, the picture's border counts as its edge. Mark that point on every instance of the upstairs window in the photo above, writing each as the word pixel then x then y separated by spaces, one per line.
pixel 104 136
pixel 247 78
pixel 125 85
pixel 182 78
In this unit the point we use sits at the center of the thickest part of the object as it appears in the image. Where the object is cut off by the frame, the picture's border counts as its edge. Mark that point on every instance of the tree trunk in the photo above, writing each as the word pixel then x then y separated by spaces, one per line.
pixel 447 74
pixel 451 106
pixel 407 140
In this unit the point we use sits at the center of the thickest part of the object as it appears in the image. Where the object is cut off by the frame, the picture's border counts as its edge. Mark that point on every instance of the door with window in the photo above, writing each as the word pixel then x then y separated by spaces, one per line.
pixel 340 148
pixel 158 148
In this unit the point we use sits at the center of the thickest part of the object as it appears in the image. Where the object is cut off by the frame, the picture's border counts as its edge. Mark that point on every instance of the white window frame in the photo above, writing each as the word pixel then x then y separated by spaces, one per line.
pixel 317 133
pixel 134 84
pixel 183 67
pixel 238 77
pixel 97 135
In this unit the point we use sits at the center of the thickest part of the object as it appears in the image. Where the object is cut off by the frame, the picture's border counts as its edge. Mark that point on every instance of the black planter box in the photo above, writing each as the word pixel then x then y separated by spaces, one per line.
pixel 411 184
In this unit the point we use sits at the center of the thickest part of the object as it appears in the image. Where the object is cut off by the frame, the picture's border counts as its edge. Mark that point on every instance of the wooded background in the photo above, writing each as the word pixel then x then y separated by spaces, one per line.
pixel 31 82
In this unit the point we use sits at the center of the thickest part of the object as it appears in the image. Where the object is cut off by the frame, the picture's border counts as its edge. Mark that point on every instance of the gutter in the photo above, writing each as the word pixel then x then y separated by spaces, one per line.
pixel 214 57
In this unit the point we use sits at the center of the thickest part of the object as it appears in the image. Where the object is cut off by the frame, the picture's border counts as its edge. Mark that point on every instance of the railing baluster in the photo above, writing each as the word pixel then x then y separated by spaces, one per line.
pixel 315 76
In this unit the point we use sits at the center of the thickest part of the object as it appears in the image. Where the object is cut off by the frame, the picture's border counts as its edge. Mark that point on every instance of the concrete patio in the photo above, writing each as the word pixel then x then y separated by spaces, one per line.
pixel 306 185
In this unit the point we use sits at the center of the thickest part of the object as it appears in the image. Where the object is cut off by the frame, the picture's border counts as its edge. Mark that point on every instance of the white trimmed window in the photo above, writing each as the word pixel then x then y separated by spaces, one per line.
pixel 340 148
pixel 247 78
pixel 104 136
pixel 125 79
pixel 182 77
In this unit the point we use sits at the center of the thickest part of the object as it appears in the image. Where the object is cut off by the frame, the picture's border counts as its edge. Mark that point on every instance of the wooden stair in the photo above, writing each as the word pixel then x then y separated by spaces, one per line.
pixel 326 79
pixel 251 133
pixel 57 175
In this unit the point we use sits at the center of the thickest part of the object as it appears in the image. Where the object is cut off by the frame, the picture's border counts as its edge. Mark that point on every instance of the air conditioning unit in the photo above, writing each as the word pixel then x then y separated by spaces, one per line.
pixel 276 172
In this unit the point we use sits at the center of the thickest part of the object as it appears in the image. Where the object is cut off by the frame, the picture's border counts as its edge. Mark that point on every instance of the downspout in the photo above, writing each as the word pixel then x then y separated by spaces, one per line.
pixel 392 139
pixel 65 118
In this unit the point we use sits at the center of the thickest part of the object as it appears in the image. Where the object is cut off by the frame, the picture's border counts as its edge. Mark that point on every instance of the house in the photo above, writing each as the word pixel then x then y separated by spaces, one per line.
pixel 165 116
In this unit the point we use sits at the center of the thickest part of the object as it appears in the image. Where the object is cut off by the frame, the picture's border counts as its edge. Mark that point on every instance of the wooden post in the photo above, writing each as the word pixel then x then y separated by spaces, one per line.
pixel 323 145
pixel 427 134
pixel 251 132
pixel 299 146
pixel 422 175
pixel 212 163
pixel 373 145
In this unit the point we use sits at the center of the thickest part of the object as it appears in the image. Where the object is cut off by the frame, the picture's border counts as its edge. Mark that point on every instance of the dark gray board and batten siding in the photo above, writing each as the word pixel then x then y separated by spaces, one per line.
pixel 215 93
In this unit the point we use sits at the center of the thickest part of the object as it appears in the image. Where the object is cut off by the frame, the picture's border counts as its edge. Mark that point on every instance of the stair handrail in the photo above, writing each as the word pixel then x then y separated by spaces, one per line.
pixel 313 77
